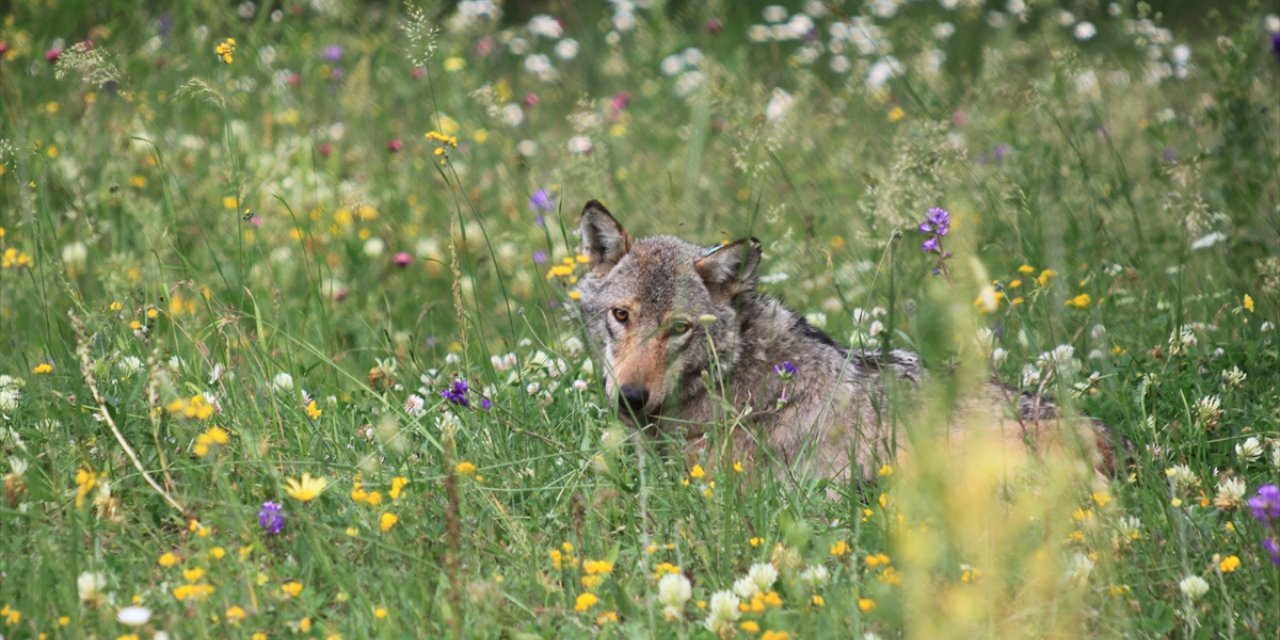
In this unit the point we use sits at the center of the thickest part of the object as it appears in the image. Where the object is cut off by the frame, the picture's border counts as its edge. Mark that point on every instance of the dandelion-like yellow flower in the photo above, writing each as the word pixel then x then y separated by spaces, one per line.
pixel 380 612
pixel 168 559
pixel 756 541
pixel 397 485
pixel 43 368
pixel 897 114
pixel 1080 302
pixel 840 549
pixel 1229 564
pixel 387 521
pixel 192 591
pixel 313 412
pixel 750 626
pixel 86 480
pixel 585 601
pixel 291 588
pixel 770 634
pixel 593 567
pixel 697 472
pixel 819 601
pixel 1248 303
pixel 193 574
pixel 1045 276
pixel 306 489
pixel 1026 269
pixel 464 468
pixel 235 614
pixel 226 50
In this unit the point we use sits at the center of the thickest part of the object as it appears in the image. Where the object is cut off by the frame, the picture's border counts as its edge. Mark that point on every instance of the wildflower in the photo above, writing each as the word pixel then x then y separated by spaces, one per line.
pixel 226 50
pixel 271 518
pixel 750 626
pixel 1209 411
pixel 380 612
pixel 313 412
pixel 866 605
pixel 43 368
pixel 756 541
pixel 192 591
pixel 723 612
pixel 1193 587
pixel 282 382
pixel 674 590
pixel 168 559
pixel 217 553
pixel 839 549
pixel 815 575
pixel 1045 276
pixel 1234 377
pixel 402 259
pixel 133 616
pixel 211 436
pixel 770 634
pixel 1248 303
pixel 457 393
pixel 465 468
pixel 86 480
pixel 1080 302
pixel 291 588
pixel 541 201
pixel 936 225
pixel 818 601
pixel 387 521
pixel 697 472
pixel 585 601
pixel 307 489
pixel 1229 564
pixel 785 370
pixel 1265 506
pixel 397 485
pixel 763 574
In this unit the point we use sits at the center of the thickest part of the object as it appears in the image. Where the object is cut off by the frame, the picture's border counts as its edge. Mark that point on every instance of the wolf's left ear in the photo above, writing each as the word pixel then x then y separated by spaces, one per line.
pixel 730 269
pixel 603 239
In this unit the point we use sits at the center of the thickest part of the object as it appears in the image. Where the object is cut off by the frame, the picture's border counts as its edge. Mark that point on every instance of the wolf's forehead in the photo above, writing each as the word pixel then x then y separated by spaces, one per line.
pixel 659 274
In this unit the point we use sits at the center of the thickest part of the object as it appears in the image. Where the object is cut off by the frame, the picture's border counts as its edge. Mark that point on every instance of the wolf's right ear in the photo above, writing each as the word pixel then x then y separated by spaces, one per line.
pixel 730 269
pixel 603 240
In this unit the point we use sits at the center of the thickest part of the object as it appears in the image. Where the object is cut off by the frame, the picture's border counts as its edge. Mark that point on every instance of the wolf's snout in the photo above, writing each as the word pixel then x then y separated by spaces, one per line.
pixel 633 398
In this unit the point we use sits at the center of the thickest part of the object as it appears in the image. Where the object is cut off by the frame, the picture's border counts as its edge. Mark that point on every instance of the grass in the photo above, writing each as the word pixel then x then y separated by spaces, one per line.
pixel 220 277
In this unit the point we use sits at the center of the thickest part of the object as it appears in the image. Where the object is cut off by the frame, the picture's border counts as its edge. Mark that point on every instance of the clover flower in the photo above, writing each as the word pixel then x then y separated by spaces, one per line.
pixel 936 225
pixel 271 518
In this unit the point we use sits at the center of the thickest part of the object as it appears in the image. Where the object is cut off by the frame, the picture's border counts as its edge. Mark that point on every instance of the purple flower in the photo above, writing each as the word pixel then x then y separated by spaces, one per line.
pixel 1275 44
pixel 542 201
pixel 937 223
pixel 457 393
pixel 539 257
pixel 930 245
pixel 486 404
pixel 333 53
pixel 1266 505
pixel 271 518
pixel 939 219
pixel 785 369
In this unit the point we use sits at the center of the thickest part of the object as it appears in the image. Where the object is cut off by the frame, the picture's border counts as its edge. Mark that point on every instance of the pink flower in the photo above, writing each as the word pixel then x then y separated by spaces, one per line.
pixel 52 55
pixel 402 259
pixel 530 99
pixel 395 145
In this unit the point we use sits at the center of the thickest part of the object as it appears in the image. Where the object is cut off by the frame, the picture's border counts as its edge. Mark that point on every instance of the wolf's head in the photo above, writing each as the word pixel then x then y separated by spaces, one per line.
pixel 660 311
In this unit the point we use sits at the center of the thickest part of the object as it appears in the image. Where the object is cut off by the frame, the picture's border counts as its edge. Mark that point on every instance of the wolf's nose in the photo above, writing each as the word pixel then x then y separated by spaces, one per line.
pixel 633 398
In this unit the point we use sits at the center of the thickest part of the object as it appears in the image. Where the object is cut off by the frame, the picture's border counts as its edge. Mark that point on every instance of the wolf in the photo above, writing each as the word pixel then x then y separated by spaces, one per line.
pixel 687 342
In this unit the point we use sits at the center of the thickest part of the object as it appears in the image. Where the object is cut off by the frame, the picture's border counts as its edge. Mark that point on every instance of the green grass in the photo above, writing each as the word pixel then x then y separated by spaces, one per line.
pixel 176 227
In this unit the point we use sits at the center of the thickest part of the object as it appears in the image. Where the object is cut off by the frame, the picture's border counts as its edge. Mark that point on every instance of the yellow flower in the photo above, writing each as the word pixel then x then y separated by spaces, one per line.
pixel 1026 269
pixel 292 588
pixel 1080 302
pixel 1045 276
pixel 885 471
pixel 557 559
pixel 217 553
pixel 387 521
pixel 380 613
pixel 43 368
pixel 1229 564
pixel 1101 498
pixel 866 605
pixel 896 114
pixel 697 472
pixel 876 560
pixel 756 541
pixel 606 617
pixel 1015 283
pixel 840 548
pixel 312 411
pixel 307 489
pixel 397 485
pixel 86 480
pixel 592 567
pixel 192 591
pixel 585 601
pixel 168 559
pixel 737 466
pixel 259 636
pixel 455 63
pixel 235 614
pixel 1248 303
pixel 193 574
pixel 750 626
pixel 819 601
pixel 770 634
pixel 464 468
pixel 226 51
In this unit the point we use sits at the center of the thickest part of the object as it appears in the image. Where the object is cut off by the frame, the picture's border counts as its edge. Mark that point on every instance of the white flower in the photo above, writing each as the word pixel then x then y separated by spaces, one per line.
pixel 624 21
pixel 880 72
pixel 688 82
pixel 815 576
pixel 1209 410
pixel 532 388
pixel 876 328
pixel 540 65
pixel 671 65
pixel 774 13
pixel 133 616
pixel 1193 587
pixel 374 247
pixel 512 115
pixel 1230 494
pixel 1250 450
pixel 758 33
pixel 9 397
pixel 1234 377
pixel 90 585
pixel 503 362
pixel 745 587
pixel 1272 23
pixel 779 105
pixel 839 64
pixel 414 405
pixel 580 145
pixel 723 611
pixel 1208 240
pixel 674 591
pixel 692 56
pixel 567 49
pixel 998 356
pixel 282 382
pixel 579 385
pixel 764 575
pixel 1078 570
pixel 545 26
pixel 943 30
pixel 1084 30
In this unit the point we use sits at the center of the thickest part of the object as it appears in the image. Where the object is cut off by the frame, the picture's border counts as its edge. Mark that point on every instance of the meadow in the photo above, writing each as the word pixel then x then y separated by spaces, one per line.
pixel 289 345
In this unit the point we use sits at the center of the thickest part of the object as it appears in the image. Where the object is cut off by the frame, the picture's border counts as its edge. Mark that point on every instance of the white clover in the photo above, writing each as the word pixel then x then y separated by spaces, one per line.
pixel 133 616
pixel 1250 450
pixel 1084 31
pixel 414 405
pixel 580 145
pixel 745 587
pixel 1234 377
pixel 815 576
pixel 282 382
pixel 780 103
pixel 545 26
pixel 1183 477
pixel 764 575
pixel 1230 494
pixel 1193 587
pixel 723 611
pixel 774 13
pixel 674 590
pixel 90 585
pixel 1079 568
pixel 567 49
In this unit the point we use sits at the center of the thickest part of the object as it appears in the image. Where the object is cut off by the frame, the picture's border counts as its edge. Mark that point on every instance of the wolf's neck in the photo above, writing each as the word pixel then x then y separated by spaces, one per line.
pixel 772 333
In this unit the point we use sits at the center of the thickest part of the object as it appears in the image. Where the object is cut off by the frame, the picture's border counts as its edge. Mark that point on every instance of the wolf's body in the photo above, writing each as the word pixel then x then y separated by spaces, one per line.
pixel 687 342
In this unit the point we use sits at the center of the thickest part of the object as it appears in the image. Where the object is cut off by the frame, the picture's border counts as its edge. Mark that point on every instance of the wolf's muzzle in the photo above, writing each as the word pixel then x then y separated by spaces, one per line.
pixel 632 399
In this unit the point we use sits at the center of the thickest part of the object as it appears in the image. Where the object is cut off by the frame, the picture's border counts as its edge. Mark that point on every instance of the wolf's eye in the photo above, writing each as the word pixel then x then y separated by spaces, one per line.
pixel 621 315
pixel 679 327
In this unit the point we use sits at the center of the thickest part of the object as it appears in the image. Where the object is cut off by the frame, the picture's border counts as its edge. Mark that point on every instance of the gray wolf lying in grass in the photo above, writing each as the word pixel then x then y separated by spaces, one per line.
pixel 687 342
